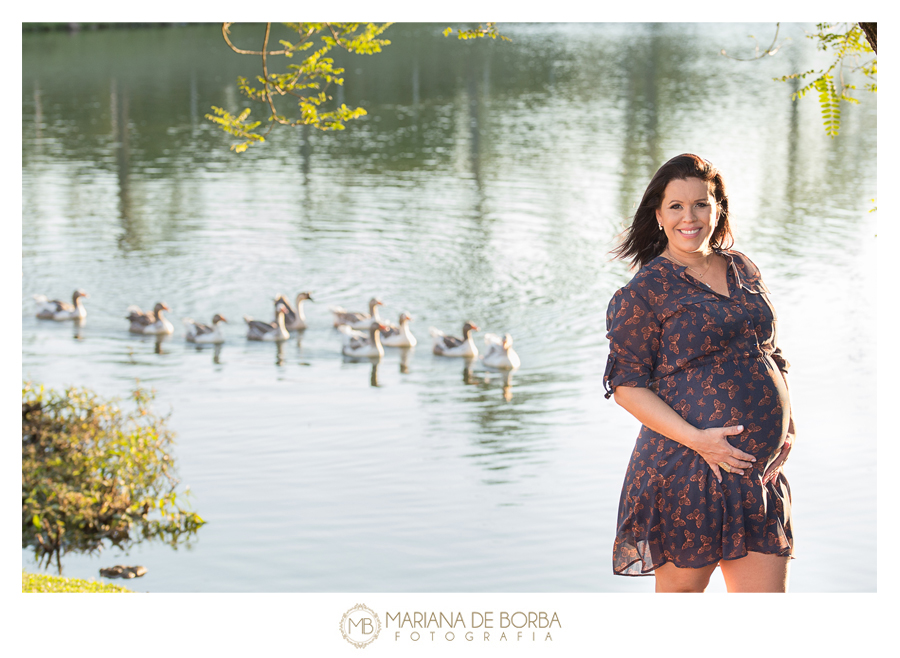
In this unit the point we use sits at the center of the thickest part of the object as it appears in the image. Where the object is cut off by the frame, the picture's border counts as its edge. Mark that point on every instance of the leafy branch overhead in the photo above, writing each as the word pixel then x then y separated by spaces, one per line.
pixel 306 82
pixel 852 51
pixel 489 30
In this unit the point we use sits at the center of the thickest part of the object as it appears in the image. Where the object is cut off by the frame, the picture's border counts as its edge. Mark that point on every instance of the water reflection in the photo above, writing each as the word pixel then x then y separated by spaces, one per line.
pixel 405 353
pixel 375 361
pixel 78 325
pixel 159 342
pixel 214 348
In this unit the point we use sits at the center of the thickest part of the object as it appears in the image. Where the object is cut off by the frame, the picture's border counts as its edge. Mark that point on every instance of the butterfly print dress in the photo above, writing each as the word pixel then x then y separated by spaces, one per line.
pixel 713 359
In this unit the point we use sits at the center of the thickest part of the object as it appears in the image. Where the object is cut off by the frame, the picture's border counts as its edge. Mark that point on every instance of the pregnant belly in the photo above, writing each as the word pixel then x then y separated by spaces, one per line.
pixel 748 392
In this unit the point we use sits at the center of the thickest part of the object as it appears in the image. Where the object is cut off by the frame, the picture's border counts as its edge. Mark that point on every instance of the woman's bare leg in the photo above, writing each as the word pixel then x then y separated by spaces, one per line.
pixel 670 578
pixel 756 572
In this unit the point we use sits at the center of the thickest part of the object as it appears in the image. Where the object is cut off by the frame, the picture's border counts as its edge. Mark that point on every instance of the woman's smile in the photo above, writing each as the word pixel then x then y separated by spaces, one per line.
pixel 688 215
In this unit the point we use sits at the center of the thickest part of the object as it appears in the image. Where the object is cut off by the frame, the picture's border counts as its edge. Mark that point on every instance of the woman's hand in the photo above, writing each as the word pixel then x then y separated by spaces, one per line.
pixel 775 467
pixel 712 444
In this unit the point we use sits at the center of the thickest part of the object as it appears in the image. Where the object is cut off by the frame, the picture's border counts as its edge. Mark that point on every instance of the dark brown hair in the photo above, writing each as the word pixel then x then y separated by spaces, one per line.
pixel 643 241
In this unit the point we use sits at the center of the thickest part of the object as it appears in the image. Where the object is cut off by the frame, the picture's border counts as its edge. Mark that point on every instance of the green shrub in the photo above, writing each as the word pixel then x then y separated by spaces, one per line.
pixel 41 583
pixel 93 473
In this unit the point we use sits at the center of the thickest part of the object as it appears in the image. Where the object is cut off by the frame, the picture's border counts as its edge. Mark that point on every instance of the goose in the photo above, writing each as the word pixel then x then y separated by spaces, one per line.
pixel 268 331
pixel 54 309
pixel 197 332
pixel 149 322
pixel 359 320
pixel 294 319
pixel 451 345
pixel 399 335
pixel 358 344
pixel 500 353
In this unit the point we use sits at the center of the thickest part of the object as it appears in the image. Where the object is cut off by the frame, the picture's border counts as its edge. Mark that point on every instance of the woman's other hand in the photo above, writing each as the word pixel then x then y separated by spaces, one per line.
pixel 775 467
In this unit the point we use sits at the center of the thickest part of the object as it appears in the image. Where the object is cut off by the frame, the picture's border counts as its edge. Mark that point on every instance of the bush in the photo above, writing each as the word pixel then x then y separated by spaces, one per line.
pixel 93 473
pixel 41 583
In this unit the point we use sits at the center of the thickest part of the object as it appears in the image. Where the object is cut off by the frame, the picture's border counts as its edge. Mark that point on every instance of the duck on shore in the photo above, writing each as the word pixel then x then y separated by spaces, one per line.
pixel 55 309
pixel 149 322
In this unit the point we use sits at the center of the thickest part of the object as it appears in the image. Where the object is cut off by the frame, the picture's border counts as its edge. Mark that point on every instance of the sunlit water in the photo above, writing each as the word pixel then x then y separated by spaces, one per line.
pixel 487 182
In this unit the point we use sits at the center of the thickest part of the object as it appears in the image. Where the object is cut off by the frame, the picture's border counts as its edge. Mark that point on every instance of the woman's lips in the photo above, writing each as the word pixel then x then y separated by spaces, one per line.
pixel 689 233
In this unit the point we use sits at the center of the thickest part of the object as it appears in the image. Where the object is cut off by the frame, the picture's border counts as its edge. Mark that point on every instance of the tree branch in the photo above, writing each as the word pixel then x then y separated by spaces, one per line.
pixel 240 51
pixel 871 32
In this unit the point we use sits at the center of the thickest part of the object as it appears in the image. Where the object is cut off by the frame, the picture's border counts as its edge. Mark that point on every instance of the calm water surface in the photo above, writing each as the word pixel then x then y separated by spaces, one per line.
pixel 487 182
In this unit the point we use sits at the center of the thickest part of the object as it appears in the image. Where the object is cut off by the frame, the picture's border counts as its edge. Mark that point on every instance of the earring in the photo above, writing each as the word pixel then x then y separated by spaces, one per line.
pixel 660 226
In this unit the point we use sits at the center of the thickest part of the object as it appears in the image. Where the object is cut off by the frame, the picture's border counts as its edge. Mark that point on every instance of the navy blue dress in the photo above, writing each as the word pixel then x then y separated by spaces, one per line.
pixel 713 359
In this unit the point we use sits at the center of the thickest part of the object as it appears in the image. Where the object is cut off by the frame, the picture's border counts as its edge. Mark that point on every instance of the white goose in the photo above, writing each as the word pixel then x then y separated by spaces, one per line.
pixel 197 332
pixel 500 353
pixel 149 322
pixel 451 345
pixel 54 309
pixel 294 318
pixel 399 335
pixel 268 331
pixel 358 344
pixel 357 320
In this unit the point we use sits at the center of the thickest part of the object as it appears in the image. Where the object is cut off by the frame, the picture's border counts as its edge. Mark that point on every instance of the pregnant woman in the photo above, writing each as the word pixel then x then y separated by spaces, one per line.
pixel 693 357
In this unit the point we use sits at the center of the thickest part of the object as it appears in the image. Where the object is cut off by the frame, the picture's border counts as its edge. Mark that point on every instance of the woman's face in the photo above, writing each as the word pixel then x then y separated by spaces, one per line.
pixel 688 215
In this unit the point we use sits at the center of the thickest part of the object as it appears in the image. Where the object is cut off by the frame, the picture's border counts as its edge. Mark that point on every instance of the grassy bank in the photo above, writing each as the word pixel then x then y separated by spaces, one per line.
pixel 33 582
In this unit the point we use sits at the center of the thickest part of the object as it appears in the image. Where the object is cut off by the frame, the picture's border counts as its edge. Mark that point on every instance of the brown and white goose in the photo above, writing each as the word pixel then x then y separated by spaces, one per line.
pixel 54 309
pixel 399 335
pixel 358 344
pixel 149 322
pixel 196 332
pixel 294 318
pixel 357 320
pixel 268 331
pixel 445 345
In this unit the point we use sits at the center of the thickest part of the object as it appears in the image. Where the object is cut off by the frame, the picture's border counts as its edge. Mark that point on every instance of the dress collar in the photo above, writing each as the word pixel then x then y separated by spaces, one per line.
pixel 744 277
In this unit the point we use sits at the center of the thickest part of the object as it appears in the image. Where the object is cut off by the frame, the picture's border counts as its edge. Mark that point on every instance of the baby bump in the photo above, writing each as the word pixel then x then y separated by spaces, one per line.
pixel 748 392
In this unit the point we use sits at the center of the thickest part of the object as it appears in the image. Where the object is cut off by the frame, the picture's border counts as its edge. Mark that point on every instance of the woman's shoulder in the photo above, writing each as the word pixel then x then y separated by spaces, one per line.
pixel 749 271
pixel 648 282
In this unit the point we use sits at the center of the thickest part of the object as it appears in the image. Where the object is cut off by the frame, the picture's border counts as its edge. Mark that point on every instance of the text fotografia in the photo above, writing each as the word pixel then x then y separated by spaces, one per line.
pixel 482 626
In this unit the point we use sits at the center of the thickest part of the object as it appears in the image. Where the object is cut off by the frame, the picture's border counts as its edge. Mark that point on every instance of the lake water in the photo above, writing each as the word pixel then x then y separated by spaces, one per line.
pixel 487 182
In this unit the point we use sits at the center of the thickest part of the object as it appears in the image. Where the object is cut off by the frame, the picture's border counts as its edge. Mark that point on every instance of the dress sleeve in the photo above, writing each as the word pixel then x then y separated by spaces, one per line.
pixel 633 334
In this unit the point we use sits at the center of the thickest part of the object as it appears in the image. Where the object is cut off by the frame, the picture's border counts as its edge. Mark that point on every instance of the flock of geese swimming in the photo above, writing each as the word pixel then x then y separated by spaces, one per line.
pixel 364 334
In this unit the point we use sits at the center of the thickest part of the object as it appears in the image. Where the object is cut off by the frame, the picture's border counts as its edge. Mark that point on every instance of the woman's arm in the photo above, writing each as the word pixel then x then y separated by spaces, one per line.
pixel 711 444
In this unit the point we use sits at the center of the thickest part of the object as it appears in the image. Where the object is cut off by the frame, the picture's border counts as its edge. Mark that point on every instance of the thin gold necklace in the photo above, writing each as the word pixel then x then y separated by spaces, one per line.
pixel 669 255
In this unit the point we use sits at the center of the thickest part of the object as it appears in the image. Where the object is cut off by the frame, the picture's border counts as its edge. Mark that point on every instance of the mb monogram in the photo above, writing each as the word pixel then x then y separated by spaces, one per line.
pixel 360 626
